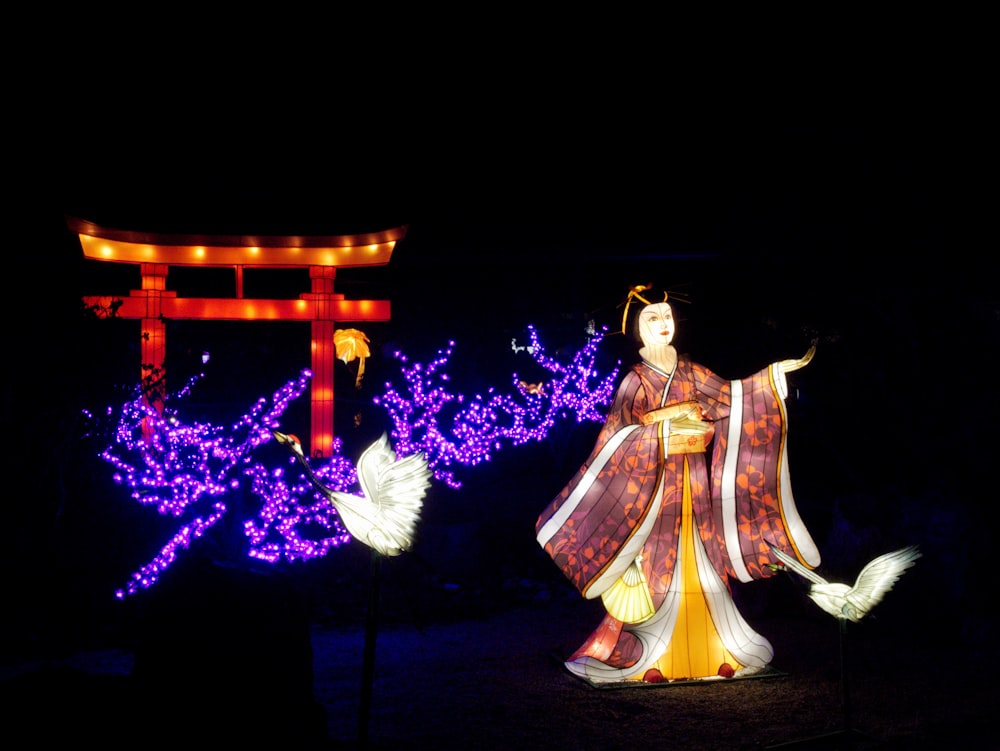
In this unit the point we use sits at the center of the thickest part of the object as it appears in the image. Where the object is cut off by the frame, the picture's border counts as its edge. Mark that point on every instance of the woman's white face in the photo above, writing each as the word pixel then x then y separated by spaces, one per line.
pixel 656 324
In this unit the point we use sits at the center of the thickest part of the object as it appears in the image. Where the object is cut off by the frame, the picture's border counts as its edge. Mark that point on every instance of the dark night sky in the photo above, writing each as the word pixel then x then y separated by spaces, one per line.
pixel 778 231
pixel 532 220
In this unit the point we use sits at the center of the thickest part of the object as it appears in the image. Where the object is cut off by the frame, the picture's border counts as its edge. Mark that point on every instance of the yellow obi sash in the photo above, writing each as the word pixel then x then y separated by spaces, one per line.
pixel 689 434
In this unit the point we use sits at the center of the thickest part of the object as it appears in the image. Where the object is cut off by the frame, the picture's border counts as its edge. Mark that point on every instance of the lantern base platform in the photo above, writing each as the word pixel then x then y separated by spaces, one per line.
pixel 767 672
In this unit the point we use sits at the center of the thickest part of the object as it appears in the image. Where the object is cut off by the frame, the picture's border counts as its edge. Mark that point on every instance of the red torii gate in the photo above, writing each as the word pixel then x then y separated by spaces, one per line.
pixel 154 304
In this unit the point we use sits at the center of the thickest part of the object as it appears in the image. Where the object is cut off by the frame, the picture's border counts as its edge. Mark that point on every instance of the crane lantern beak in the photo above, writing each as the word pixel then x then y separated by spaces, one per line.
pixel 285 438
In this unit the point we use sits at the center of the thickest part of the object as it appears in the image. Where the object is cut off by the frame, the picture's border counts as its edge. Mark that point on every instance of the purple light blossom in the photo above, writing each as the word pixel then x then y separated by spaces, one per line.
pixel 179 467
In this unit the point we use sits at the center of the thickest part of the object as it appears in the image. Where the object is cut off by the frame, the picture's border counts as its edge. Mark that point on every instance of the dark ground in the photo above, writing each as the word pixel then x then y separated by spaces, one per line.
pixel 275 662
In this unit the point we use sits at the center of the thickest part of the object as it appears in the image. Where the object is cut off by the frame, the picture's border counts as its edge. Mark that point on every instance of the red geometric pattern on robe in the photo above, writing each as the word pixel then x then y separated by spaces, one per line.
pixel 613 507
pixel 758 500
pixel 617 502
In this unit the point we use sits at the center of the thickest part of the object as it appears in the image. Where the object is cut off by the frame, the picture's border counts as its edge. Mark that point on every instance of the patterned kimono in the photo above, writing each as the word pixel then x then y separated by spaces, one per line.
pixel 657 524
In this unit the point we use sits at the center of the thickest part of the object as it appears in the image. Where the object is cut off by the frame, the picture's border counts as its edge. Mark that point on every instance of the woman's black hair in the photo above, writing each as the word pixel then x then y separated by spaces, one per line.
pixel 638 298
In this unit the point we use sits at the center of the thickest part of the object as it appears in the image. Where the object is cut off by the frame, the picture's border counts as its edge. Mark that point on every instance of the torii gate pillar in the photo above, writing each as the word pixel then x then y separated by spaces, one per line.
pixel 155 305
pixel 323 357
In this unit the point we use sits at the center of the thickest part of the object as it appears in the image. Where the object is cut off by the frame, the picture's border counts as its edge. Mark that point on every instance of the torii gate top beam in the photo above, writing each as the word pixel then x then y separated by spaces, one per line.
pixel 274 251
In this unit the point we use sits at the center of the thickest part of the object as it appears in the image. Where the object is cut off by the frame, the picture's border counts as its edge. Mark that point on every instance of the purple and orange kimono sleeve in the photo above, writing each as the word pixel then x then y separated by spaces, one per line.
pixel 596 525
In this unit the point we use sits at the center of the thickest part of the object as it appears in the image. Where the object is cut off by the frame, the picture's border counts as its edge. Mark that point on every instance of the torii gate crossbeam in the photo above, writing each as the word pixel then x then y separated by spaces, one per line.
pixel 154 304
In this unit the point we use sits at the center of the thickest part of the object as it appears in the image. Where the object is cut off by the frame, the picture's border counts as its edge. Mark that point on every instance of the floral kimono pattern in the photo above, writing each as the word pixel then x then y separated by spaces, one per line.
pixel 671 520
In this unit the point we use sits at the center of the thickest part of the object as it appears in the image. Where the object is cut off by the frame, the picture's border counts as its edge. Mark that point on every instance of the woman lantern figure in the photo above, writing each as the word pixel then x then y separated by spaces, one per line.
pixel 686 488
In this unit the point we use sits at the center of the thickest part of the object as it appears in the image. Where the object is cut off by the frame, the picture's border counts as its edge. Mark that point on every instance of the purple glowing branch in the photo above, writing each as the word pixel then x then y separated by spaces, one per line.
pixel 573 390
pixel 175 464
pixel 284 512
pixel 172 466
pixel 481 425
pixel 149 574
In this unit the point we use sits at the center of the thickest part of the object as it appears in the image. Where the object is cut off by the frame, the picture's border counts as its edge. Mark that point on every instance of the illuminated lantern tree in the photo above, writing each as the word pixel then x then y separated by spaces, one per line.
pixel 186 468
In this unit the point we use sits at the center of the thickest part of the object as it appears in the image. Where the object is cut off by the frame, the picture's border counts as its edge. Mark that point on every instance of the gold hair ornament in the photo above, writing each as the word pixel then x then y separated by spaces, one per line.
pixel 636 292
